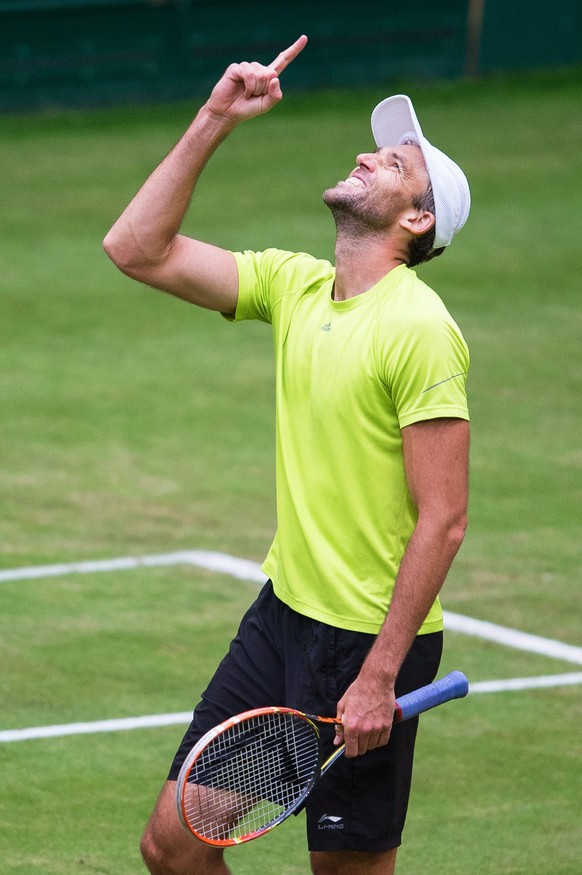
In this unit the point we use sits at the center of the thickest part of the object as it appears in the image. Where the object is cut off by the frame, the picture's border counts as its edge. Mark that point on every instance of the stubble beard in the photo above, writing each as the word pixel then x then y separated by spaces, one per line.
pixel 356 216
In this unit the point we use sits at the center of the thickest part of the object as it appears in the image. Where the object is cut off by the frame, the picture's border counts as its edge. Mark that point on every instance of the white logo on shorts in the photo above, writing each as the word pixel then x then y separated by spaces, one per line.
pixel 330 821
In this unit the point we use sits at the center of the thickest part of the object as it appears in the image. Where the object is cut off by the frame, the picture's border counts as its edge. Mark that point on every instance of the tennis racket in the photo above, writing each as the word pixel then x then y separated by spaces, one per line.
pixel 251 772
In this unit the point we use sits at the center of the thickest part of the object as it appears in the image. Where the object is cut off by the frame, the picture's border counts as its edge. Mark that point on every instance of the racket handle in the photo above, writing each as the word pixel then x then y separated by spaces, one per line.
pixel 453 686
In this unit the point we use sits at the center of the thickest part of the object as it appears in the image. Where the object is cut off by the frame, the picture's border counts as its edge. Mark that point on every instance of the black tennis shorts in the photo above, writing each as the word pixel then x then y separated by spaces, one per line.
pixel 280 657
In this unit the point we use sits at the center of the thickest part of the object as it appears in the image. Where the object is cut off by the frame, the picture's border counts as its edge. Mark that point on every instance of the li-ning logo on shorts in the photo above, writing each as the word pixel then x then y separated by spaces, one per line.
pixel 330 821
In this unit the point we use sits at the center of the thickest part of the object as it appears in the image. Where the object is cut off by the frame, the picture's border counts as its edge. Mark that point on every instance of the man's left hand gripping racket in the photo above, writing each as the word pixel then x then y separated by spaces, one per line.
pixel 251 772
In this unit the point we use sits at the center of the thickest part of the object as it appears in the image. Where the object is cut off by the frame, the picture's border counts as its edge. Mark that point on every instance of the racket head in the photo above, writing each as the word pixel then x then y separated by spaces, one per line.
pixel 248 774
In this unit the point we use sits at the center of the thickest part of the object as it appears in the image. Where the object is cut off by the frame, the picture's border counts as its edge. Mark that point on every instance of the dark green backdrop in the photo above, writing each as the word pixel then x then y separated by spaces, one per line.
pixel 90 52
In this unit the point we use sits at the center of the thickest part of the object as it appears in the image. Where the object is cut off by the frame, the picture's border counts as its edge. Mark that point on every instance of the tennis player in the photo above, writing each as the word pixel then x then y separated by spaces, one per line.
pixel 372 459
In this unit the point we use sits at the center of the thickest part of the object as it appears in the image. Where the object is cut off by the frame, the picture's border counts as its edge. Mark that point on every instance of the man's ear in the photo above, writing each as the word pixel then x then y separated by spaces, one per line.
pixel 416 222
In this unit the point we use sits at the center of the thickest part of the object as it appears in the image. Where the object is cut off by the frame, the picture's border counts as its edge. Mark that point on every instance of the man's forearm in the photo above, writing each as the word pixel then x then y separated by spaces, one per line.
pixel 145 242
pixel 436 464
pixel 367 706
pixel 424 567
pixel 436 458
pixel 148 227
pixel 145 235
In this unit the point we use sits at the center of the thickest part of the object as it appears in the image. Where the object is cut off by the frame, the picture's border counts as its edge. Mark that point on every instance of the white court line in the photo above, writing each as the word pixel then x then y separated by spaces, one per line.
pixel 57 730
pixel 184 717
pixel 537 683
pixel 513 638
pixel 219 562
pixel 244 569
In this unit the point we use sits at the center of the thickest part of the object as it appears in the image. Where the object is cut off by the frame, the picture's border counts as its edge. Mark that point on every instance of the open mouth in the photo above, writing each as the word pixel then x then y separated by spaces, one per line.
pixel 355 182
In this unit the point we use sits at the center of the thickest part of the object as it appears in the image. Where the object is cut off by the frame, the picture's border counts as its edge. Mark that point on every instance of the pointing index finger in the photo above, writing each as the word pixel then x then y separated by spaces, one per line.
pixel 287 55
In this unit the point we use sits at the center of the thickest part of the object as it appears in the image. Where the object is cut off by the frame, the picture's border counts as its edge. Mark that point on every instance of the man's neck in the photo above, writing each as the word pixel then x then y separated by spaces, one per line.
pixel 361 263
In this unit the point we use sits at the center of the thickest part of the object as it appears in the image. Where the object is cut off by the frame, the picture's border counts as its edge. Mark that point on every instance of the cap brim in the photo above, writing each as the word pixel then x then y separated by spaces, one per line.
pixel 394 122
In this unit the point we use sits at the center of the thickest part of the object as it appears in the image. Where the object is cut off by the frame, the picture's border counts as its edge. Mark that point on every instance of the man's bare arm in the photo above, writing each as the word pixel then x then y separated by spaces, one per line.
pixel 145 242
pixel 436 464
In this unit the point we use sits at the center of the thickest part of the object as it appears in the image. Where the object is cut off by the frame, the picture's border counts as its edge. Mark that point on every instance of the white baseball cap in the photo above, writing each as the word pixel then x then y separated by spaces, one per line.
pixel 394 122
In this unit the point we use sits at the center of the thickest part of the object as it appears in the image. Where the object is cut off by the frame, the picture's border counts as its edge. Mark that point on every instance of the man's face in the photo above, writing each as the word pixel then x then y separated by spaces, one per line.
pixel 382 186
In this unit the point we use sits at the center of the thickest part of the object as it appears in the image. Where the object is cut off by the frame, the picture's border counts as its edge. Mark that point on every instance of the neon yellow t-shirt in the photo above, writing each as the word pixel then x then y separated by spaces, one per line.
pixel 349 375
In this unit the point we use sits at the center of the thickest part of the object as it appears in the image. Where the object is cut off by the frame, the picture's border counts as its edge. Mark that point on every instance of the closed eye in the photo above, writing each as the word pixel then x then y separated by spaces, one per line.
pixel 398 161
pixel 393 159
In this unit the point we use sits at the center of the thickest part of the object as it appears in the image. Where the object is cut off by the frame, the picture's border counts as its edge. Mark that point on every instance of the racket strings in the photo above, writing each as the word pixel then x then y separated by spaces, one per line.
pixel 251 775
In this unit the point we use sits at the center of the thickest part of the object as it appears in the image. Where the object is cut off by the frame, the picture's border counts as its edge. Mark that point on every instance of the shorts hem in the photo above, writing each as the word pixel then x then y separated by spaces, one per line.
pixel 363 846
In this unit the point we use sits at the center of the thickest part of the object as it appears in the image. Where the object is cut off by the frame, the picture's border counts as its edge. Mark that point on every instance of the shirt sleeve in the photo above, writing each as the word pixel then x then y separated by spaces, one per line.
pixel 258 288
pixel 427 371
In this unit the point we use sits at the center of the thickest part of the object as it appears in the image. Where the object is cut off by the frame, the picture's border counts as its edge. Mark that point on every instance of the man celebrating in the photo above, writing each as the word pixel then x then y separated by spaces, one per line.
pixel 372 459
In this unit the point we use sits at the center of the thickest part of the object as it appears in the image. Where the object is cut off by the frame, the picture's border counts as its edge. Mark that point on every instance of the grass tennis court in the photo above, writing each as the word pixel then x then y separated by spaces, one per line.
pixel 133 424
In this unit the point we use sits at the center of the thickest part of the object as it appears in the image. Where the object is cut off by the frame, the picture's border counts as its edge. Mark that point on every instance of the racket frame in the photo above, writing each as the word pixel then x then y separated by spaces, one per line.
pixel 221 728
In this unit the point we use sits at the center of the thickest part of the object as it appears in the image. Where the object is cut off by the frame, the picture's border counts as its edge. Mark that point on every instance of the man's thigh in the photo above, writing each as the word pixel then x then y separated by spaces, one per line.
pixel 167 847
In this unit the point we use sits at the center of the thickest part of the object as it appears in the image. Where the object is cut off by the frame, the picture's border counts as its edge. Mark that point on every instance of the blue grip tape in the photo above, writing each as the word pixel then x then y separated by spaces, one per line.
pixel 453 686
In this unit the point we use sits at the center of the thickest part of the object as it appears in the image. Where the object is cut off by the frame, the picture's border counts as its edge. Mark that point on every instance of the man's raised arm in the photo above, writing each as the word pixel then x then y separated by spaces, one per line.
pixel 145 242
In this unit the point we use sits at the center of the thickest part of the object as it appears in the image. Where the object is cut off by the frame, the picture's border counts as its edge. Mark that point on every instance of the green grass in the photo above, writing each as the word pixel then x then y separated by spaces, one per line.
pixel 134 424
